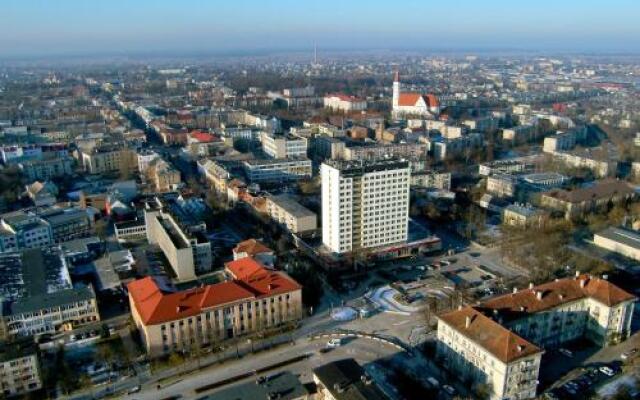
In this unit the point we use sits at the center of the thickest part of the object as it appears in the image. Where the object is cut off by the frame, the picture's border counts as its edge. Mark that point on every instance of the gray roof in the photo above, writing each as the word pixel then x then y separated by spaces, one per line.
pixel 343 378
pixel 291 206
pixel 623 236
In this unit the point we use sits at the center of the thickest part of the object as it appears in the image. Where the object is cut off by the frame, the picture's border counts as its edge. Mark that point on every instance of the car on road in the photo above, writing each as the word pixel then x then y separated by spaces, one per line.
pixel 628 354
pixel 335 342
pixel 566 352
pixel 134 389
pixel 608 371
pixel 450 390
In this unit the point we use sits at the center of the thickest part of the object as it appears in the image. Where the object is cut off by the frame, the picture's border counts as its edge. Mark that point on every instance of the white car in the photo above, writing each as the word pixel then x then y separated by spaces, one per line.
pixel 450 390
pixel 566 352
pixel 628 354
pixel 335 342
pixel 607 371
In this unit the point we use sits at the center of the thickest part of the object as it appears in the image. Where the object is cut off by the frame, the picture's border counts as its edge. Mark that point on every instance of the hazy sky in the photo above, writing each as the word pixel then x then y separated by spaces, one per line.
pixel 127 26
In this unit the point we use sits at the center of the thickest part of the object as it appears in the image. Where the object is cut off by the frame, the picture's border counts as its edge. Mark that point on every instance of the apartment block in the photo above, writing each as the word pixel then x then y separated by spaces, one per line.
pixel 500 341
pixel 365 204
pixel 619 240
pixel 188 253
pixel 253 300
pixel 19 368
pixel 344 103
pixel 104 159
pixel 287 211
pixel 23 230
pixel 277 169
pixel 283 146
pixel 38 296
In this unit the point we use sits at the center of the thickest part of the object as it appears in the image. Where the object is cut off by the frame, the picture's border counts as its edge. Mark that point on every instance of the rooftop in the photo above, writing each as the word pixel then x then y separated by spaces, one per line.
pixel 347 380
pixel 601 189
pixel 484 323
pixel 156 306
pixel 624 236
pixel 291 206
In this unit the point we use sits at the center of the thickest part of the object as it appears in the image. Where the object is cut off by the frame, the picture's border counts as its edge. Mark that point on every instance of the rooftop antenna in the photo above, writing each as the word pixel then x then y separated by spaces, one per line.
pixel 315 53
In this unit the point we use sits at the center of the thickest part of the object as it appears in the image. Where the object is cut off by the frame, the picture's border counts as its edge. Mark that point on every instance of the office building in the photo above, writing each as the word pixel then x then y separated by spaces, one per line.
pixel 19 368
pixel 23 230
pixel 277 169
pixel 254 300
pixel 365 204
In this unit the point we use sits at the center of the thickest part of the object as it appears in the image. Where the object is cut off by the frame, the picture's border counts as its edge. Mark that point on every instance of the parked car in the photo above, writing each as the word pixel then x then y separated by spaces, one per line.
pixel 607 371
pixel 335 342
pixel 134 389
pixel 566 352
pixel 450 390
pixel 433 382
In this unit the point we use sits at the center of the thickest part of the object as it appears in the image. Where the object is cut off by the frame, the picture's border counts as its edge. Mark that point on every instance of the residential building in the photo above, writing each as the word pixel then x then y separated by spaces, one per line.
pixel 327 147
pixel 188 253
pixel 19 368
pixel 345 380
pixel 446 149
pixel 254 300
pixel 344 103
pixel 23 230
pixel 254 249
pixel 431 180
pixel 38 297
pixel 47 168
pixel 283 146
pixel 500 341
pixel 287 211
pixel 619 240
pixel 376 151
pixel 108 158
pixel 42 193
pixel 277 170
pixel 522 216
pixel 145 158
pixel 601 161
pixel 216 174
pixel 576 203
pixel 502 185
pixel 67 223
pixel 165 177
pixel 365 204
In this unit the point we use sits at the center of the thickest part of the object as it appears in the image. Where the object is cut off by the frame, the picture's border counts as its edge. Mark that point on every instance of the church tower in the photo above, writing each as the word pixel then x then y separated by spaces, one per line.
pixel 396 89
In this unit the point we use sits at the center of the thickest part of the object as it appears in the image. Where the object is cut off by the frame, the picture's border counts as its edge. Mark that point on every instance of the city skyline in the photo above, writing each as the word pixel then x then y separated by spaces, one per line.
pixel 38 28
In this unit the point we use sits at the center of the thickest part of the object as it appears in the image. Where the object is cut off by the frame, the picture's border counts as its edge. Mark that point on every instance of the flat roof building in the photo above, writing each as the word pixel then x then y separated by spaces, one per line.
pixel 619 240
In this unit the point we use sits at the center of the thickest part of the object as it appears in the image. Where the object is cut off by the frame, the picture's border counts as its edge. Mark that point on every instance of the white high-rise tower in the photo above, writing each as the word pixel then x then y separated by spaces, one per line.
pixel 365 204
pixel 396 89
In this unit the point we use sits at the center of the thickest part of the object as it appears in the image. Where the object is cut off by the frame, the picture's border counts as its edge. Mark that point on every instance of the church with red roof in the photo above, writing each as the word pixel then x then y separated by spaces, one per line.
pixel 405 104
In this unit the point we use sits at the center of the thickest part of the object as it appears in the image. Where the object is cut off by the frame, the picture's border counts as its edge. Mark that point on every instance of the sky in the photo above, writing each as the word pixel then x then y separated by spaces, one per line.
pixel 58 27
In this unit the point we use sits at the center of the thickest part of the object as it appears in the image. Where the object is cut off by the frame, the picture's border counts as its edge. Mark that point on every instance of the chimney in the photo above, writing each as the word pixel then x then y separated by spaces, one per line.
pixel 520 348
pixel 577 273
pixel 460 307
pixel 605 277
pixel 539 294
pixel 530 285
pixel 583 283
pixel 515 290
pixel 467 322
pixel 561 296
pixel 270 287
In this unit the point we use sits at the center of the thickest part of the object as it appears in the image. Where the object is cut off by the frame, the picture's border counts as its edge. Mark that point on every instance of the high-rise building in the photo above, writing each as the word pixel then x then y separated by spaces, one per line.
pixel 365 204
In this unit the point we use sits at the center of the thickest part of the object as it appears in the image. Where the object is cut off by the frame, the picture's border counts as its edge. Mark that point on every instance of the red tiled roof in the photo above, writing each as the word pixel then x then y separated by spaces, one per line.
pixel 517 305
pixel 244 268
pixel 155 306
pixel 203 137
pixel 410 99
pixel 490 335
pixel 251 247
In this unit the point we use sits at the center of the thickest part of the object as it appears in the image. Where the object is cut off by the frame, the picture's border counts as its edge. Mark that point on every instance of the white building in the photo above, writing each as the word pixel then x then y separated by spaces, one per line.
pixel 412 103
pixel 500 341
pixel 145 158
pixel 283 146
pixel 619 240
pixel 277 169
pixel 365 204
pixel 343 102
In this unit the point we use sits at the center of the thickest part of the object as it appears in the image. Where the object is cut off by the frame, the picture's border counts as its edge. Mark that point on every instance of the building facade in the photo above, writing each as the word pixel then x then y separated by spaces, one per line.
pixel 501 340
pixel 287 211
pixel 365 204
pixel 254 300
